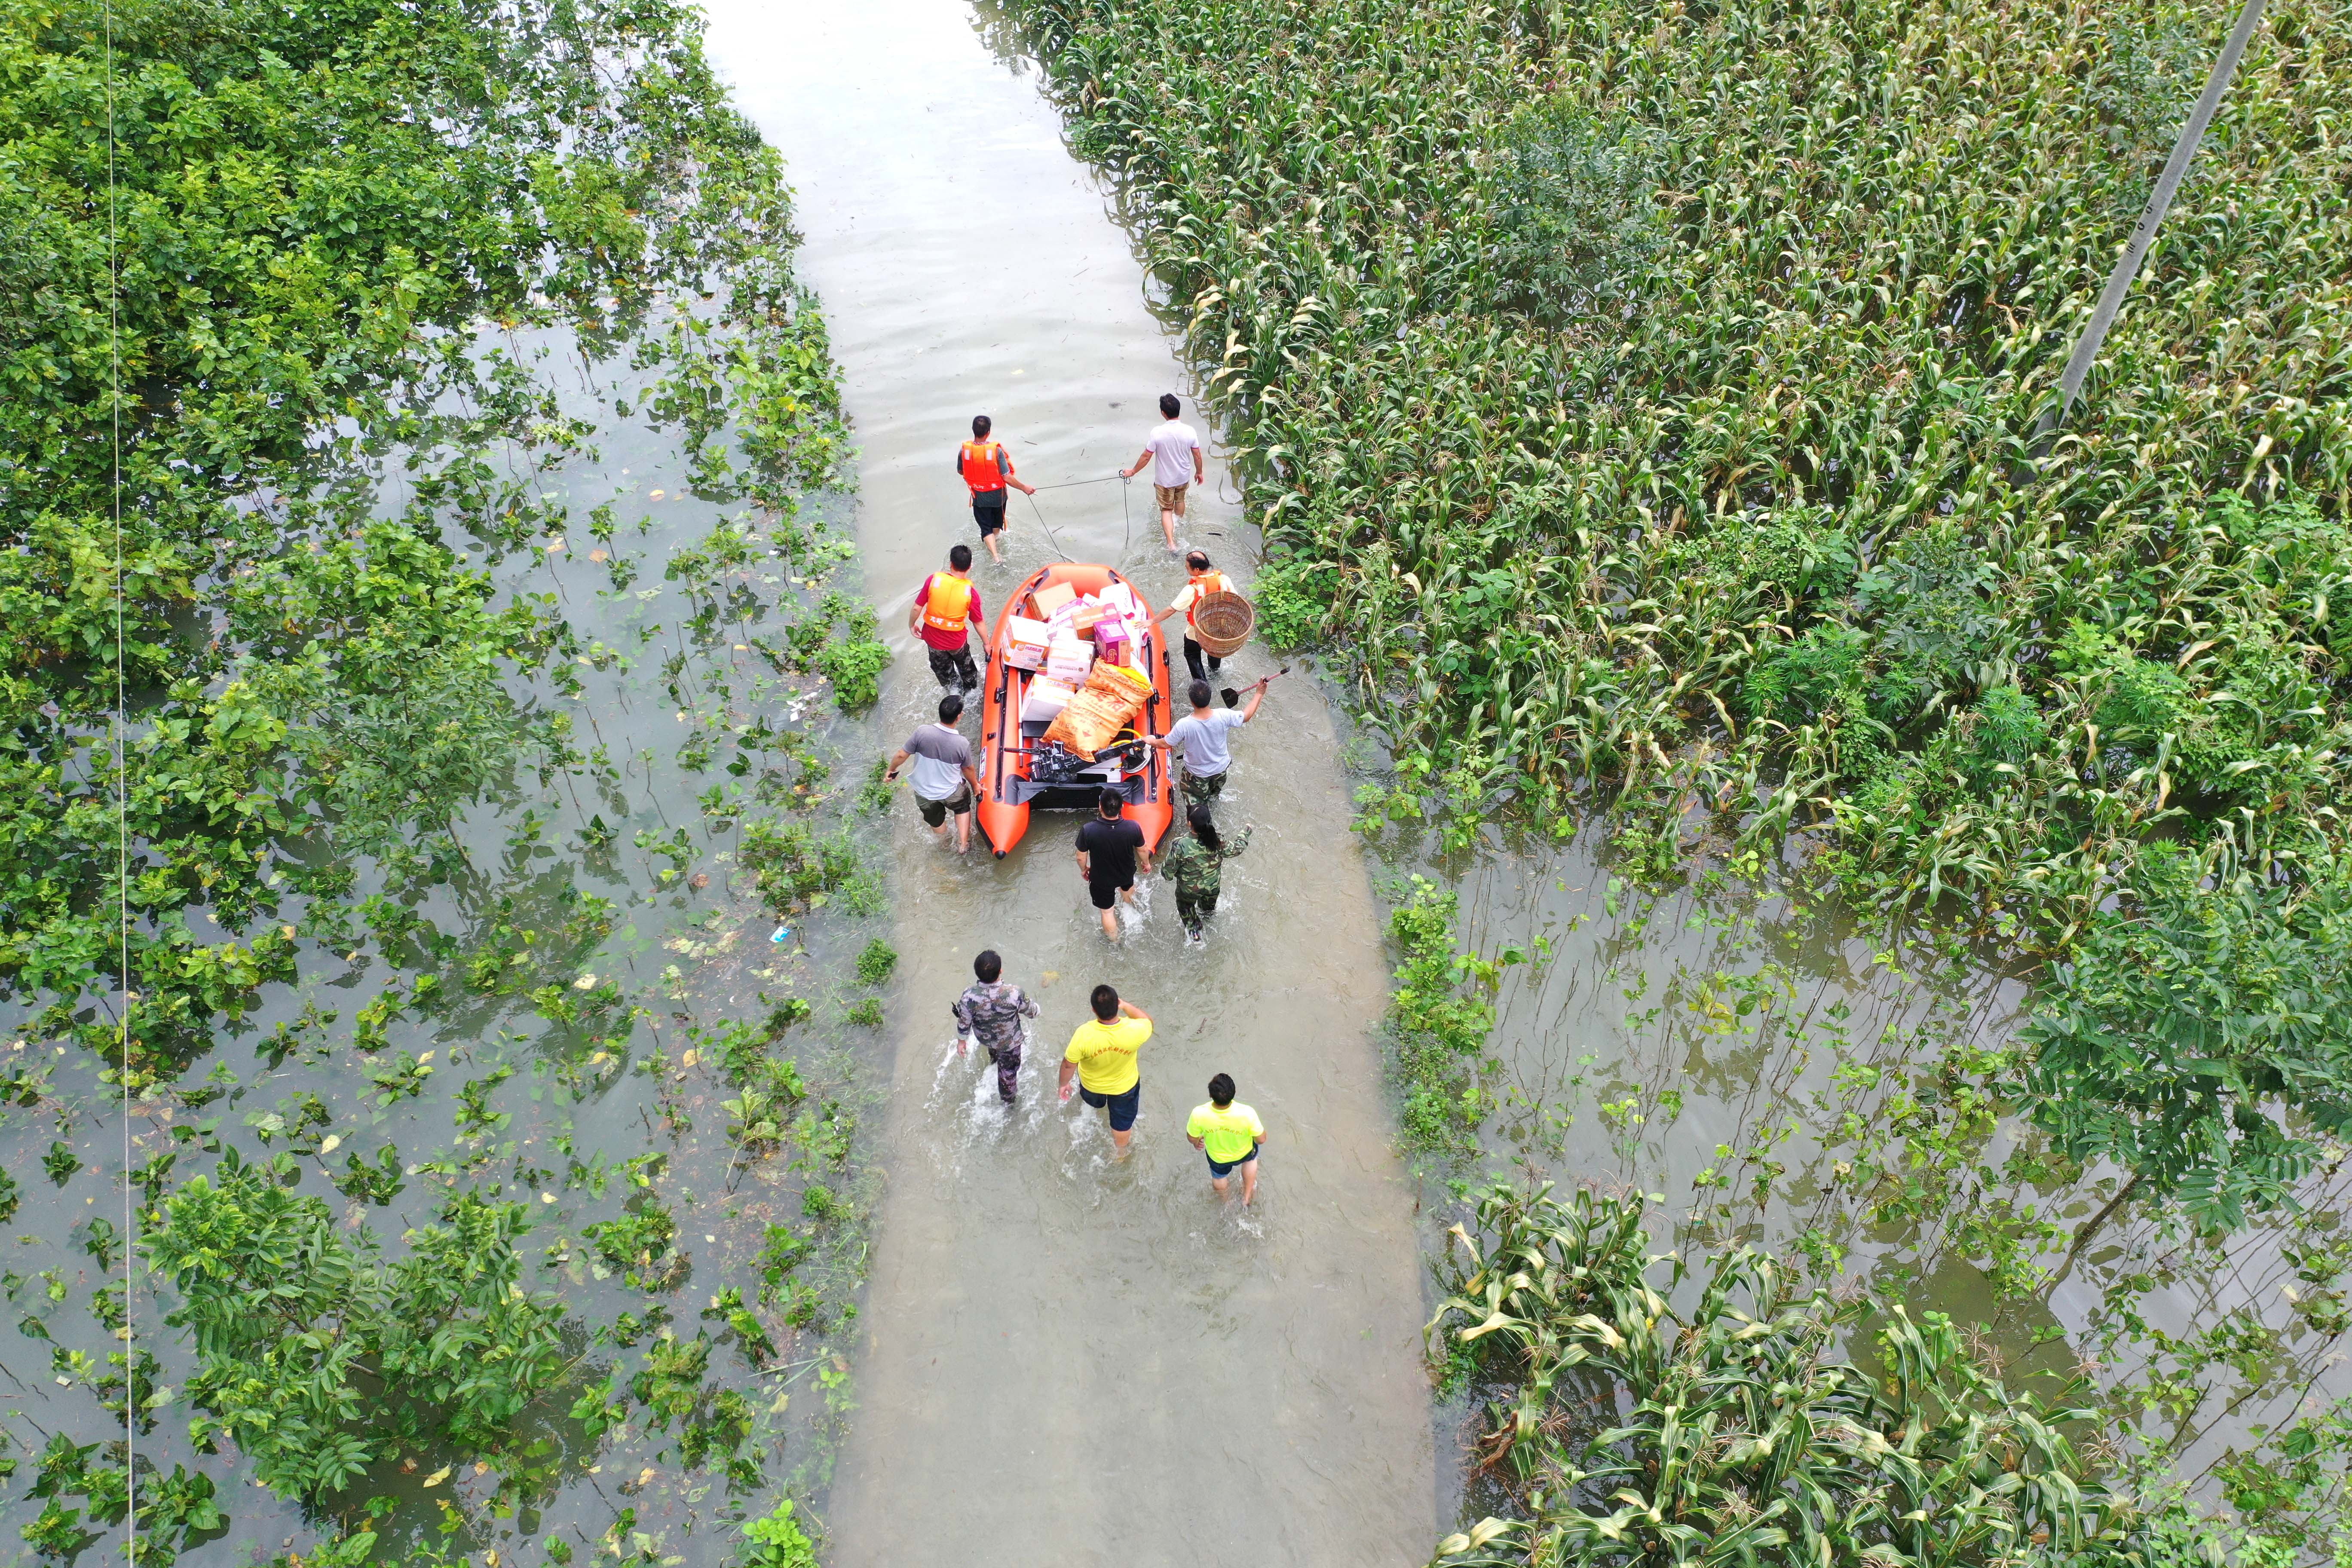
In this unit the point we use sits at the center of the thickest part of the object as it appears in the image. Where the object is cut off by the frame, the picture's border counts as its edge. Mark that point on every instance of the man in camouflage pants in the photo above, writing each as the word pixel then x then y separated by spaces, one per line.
pixel 993 1010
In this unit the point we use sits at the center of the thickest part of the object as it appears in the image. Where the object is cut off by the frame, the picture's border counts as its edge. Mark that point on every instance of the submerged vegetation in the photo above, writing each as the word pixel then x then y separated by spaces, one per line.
pixel 452 826
pixel 1639 402
pixel 1735 1431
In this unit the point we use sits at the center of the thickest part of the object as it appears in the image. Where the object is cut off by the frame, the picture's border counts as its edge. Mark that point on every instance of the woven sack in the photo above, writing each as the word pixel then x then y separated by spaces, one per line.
pixel 1111 700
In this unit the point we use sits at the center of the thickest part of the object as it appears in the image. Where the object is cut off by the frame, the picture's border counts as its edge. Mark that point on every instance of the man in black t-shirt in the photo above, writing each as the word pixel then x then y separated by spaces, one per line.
pixel 1109 848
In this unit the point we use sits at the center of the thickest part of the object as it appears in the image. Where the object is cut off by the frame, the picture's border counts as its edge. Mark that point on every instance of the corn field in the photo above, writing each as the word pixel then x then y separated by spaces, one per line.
pixel 1640 393
pixel 1736 1432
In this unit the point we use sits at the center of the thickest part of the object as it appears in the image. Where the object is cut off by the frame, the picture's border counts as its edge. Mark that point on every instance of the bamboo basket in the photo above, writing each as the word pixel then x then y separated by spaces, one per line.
pixel 1222 622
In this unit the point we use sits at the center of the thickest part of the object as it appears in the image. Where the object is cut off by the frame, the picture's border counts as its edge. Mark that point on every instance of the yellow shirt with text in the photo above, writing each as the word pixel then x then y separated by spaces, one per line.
pixel 1226 1136
pixel 1106 1054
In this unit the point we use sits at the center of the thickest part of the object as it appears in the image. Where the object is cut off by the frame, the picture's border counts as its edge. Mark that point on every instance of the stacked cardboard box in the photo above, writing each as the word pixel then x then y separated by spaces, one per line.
pixel 1046 699
pixel 1025 647
pixel 1068 659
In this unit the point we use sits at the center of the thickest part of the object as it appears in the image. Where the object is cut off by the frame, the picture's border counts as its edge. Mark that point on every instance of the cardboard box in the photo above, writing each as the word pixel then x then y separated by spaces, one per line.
pixel 1067 658
pixel 1025 647
pixel 1046 698
pixel 1120 598
pixel 1111 639
pixel 1053 597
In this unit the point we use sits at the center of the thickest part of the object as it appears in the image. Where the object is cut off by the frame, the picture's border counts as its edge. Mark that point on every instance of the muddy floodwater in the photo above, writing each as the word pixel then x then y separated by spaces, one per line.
pixel 1069 1361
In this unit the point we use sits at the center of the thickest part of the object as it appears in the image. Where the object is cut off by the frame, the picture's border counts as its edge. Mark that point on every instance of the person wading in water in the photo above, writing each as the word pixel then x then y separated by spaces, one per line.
pixel 1204 738
pixel 1173 451
pixel 1102 1058
pixel 1108 849
pixel 993 1011
pixel 945 784
pixel 945 607
pixel 1229 1133
pixel 1202 583
pixel 1197 864
pixel 986 467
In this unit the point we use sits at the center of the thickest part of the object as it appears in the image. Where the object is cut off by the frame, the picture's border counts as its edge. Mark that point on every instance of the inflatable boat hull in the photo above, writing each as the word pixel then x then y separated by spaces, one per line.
pixel 1006 795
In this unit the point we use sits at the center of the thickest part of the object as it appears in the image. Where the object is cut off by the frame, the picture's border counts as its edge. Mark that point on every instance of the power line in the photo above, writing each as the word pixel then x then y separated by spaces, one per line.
pixel 2160 201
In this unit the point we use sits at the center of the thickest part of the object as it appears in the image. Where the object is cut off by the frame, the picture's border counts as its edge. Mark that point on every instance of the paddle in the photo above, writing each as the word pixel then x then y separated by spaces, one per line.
pixel 1234 698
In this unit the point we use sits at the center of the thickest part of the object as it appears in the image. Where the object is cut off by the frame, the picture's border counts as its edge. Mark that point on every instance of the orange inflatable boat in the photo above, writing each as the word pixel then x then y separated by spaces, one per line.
pixel 1007 789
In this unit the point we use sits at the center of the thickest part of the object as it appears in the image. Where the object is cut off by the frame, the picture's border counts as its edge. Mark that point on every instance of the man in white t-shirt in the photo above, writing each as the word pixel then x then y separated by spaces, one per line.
pixel 1174 453
pixel 1203 738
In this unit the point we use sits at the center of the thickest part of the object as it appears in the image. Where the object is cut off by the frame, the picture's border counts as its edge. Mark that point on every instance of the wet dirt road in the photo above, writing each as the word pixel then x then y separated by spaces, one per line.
pixel 1072 1362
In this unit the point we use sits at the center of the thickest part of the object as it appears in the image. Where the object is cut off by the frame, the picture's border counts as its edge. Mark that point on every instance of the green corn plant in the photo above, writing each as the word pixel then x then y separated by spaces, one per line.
pixel 1786 393
pixel 1635 402
pixel 1746 1435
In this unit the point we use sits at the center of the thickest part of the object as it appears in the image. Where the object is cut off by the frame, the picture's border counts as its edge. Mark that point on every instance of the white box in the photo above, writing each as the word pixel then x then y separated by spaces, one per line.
pixel 1025 648
pixel 1121 597
pixel 1068 659
pixel 1045 700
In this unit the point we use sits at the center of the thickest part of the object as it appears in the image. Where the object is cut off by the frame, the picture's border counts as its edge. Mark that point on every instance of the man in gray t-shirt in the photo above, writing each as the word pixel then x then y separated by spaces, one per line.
pixel 945 783
pixel 1203 738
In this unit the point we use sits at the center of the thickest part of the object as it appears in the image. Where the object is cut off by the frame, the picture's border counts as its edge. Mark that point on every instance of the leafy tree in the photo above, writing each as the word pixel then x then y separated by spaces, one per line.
pixel 300 1328
pixel 2186 1038
pixel 281 1301
pixel 1576 219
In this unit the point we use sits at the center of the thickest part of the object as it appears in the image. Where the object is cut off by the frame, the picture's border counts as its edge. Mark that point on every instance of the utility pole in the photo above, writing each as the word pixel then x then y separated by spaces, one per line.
pixel 2119 281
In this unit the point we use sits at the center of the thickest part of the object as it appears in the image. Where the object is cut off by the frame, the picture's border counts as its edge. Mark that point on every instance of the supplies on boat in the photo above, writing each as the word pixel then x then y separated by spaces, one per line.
pixel 1027 642
pixel 1045 700
pixel 1052 597
pixel 1111 700
pixel 1121 598
pixel 1068 659
pixel 1113 638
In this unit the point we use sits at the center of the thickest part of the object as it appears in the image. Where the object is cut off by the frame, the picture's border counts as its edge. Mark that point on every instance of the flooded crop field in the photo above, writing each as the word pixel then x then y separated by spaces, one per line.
pixel 1790 947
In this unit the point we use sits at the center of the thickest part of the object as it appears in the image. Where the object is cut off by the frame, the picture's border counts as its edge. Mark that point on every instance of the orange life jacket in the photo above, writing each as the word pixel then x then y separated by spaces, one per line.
pixel 1208 583
pixel 979 466
pixel 947 606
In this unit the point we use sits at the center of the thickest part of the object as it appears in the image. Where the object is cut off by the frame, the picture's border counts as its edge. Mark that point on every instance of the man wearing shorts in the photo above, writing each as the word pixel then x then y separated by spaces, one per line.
pixel 1107 849
pixel 1229 1133
pixel 946 608
pixel 1174 453
pixel 1102 1058
pixel 945 784
pixel 986 467
pixel 1203 738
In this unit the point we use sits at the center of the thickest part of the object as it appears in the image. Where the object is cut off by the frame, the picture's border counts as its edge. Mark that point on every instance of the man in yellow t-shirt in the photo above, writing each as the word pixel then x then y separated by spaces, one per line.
pixel 1229 1133
pixel 1101 1060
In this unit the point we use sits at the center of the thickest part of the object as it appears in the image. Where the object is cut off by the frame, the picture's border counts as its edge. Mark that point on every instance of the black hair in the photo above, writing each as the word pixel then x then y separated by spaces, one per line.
pixel 1204 826
pixel 981 427
pixel 1221 1090
pixel 987 966
pixel 1111 803
pixel 1198 560
pixel 1170 405
pixel 961 558
pixel 1105 1002
pixel 1198 692
pixel 950 708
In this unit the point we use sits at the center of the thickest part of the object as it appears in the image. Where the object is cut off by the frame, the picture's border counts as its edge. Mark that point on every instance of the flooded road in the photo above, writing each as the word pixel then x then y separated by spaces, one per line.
pixel 1071 1362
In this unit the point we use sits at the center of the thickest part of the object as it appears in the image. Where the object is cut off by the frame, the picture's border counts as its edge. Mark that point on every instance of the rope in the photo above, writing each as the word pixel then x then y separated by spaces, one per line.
pixel 1048 526
pixel 1074 484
